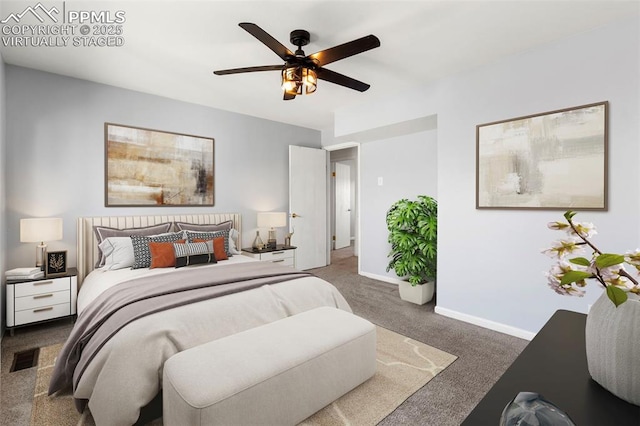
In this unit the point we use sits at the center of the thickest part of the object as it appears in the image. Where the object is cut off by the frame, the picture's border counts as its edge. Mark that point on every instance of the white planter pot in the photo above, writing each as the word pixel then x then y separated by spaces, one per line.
pixel 613 347
pixel 419 294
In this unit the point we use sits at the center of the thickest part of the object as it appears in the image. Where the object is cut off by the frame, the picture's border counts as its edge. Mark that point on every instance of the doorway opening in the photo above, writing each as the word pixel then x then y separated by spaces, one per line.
pixel 343 194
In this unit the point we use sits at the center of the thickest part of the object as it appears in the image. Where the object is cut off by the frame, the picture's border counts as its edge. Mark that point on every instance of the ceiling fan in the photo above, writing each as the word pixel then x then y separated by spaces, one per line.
pixel 300 73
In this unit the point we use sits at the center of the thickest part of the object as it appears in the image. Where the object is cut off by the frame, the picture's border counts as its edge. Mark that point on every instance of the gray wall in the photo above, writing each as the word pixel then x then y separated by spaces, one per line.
pixel 408 167
pixel 55 154
pixel 3 185
pixel 490 269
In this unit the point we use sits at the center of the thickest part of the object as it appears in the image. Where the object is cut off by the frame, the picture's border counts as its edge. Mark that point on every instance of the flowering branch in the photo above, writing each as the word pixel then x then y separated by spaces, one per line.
pixel 606 268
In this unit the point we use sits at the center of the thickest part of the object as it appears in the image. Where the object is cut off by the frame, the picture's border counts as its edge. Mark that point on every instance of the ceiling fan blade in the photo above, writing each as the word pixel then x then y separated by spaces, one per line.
pixel 341 79
pixel 249 69
pixel 345 50
pixel 288 96
pixel 267 40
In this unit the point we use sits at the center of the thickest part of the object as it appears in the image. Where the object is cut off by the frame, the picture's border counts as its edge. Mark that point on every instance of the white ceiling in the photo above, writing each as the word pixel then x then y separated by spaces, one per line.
pixel 172 47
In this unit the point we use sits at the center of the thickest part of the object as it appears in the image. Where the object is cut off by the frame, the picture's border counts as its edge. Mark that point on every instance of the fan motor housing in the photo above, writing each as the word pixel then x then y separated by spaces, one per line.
pixel 299 37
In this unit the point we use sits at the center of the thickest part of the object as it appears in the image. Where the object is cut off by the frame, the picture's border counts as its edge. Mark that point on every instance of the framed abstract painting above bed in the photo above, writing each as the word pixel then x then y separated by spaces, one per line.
pixel 146 167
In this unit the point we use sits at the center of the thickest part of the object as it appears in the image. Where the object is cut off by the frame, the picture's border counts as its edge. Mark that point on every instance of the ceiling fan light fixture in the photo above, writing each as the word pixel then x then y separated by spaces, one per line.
pixel 299 80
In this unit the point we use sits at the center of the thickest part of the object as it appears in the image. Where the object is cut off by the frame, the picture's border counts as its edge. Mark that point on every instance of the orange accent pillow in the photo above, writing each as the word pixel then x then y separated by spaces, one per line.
pixel 218 247
pixel 162 254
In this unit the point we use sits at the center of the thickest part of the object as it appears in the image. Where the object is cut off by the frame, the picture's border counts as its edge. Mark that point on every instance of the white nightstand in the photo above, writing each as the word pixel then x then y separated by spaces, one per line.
pixel 285 255
pixel 42 299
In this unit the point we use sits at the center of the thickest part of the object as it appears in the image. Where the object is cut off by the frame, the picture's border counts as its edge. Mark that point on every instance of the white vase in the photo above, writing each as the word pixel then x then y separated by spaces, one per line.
pixel 419 294
pixel 613 347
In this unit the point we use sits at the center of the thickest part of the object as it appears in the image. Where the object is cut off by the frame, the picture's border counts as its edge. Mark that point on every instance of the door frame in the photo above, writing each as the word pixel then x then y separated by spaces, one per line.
pixel 338 147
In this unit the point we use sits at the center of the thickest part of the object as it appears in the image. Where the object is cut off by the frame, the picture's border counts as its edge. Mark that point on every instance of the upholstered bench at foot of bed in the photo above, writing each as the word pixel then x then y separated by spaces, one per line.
pixel 276 374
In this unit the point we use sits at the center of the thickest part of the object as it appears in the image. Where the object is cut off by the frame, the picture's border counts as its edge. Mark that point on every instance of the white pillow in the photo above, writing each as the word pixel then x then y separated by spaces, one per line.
pixel 118 253
pixel 233 234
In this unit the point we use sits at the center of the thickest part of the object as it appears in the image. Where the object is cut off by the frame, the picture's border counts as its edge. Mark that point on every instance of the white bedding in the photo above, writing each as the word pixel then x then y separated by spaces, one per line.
pixel 102 279
pixel 126 373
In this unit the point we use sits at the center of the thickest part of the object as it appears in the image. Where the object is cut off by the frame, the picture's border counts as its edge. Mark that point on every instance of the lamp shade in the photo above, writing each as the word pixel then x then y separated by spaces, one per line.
pixel 40 229
pixel 272 219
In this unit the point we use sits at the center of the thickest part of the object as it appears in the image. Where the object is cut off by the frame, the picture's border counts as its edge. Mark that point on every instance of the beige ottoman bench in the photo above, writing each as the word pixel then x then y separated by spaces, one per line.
pixel 276 374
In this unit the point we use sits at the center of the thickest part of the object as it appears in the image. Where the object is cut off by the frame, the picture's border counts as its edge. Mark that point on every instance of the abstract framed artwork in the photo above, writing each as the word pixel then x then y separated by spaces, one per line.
pixel 145 167
pixel 552 160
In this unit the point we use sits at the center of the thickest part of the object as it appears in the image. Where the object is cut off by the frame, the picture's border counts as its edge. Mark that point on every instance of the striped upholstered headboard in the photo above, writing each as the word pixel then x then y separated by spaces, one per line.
pixel 87 244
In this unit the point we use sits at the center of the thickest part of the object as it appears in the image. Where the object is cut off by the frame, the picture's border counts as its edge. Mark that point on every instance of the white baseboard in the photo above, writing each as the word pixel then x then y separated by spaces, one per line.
pixel 384 278
pixel 491 325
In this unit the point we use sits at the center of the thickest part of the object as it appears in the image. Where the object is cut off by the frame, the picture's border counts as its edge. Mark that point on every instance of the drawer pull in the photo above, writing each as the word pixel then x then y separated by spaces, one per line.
pixel 42 296
pixel 43 282
pixel 43 309
pixel 277 252
pixel 276 261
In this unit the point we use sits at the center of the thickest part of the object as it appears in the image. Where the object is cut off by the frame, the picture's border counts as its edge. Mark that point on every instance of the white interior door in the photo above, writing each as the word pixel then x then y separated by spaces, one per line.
pixel 342 205
pixel 308 205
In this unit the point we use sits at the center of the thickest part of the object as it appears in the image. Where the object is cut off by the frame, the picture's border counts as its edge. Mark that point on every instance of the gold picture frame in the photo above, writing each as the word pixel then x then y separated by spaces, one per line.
pixel 146 167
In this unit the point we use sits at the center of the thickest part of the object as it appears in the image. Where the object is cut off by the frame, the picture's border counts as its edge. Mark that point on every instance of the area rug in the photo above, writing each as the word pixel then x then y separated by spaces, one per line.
pixel 404 366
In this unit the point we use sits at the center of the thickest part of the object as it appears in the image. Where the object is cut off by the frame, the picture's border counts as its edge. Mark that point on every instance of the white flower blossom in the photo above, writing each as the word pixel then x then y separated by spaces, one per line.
pixel 562 248
pixel 633 258
pixel 558 225
pixel 614 276
pixel 584 229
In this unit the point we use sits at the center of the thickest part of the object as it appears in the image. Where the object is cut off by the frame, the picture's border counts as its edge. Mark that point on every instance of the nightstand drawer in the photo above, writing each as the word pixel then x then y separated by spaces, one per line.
pixel 277 255
pixel 42 286
pixel 286 262
pixel 39 300
pixel 43 313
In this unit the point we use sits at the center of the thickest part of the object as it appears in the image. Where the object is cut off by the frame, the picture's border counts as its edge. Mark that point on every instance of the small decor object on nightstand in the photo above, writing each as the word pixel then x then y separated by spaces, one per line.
pixel 56 263
pixel 272 220
pixel 257 243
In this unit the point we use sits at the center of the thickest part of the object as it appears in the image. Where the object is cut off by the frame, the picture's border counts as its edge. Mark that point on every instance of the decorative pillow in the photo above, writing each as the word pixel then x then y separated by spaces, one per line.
pixel 233 235
pixel 194 253
pixel 162 254
pixel 141 252
pixel 218 247
pixel 117 252
pixel 192 236
pixel 104 232
pixel 224 226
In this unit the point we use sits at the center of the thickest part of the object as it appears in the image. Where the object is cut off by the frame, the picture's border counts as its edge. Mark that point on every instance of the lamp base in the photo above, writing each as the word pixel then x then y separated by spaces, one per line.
pixel 271 242
pixel 41 249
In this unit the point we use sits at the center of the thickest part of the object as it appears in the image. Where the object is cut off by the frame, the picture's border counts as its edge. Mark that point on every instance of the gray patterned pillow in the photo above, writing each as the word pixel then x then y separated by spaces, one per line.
pixel 104 232
pixel 191 236
pixel 141 252
pixel 184 226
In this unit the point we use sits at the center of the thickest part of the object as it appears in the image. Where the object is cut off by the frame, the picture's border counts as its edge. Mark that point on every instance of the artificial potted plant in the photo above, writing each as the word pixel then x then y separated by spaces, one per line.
pixel 612 344
pixel 413 230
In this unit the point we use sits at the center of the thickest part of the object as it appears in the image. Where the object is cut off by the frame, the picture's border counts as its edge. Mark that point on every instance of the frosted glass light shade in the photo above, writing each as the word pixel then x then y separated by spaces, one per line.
pixel 40 229
pixel 272 219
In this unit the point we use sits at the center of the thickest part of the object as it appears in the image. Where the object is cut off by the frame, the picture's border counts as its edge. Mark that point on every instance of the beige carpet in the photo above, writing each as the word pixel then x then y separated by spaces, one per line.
pixel 404 366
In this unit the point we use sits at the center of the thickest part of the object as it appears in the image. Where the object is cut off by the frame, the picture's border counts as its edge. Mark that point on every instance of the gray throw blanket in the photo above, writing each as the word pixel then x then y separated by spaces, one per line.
pixel 128 301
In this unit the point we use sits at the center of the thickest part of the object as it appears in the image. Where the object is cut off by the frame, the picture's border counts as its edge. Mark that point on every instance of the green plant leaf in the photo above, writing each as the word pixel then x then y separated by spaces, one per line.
pixel 573 276
pixel 608 259
pixel 580 261
pixel 616 295
pixel 569 215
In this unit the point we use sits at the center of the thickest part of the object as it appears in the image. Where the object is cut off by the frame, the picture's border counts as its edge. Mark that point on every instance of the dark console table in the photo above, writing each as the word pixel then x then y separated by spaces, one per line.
pixel 554 364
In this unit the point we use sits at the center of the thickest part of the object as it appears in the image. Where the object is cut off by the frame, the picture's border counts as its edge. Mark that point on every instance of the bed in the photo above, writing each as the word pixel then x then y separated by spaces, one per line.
pixel 113 360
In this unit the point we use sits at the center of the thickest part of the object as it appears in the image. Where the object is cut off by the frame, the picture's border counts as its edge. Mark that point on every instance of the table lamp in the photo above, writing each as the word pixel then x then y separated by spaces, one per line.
pixel 40 230
pixel 272 220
